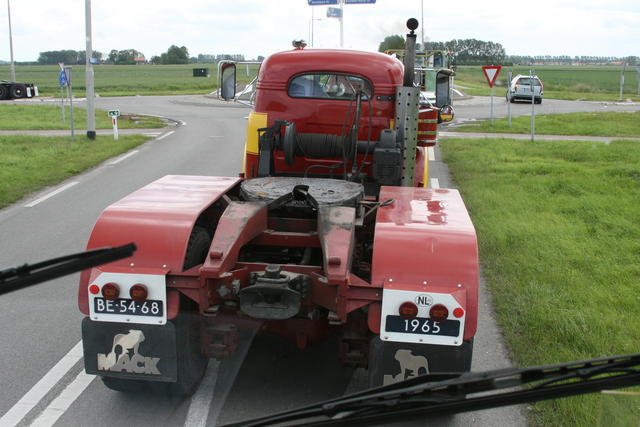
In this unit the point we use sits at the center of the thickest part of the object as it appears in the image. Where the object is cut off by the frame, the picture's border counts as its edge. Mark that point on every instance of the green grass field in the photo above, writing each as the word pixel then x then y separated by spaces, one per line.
pixel 561 82
pixel 627 124
pixel 124 80
pixel 601 83
pixel 559 234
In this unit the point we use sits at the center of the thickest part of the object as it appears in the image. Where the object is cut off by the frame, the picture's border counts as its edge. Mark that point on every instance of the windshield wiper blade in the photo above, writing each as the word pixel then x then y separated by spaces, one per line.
pixel 443 394
pixel 25 275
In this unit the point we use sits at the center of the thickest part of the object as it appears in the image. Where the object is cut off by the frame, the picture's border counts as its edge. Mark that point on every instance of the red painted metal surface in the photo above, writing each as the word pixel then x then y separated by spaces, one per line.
pixel 426 235
pixel 158 218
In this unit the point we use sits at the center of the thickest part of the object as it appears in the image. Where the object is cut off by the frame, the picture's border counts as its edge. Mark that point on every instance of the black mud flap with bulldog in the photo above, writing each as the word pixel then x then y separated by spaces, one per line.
pixel 390 362
pixel 130 350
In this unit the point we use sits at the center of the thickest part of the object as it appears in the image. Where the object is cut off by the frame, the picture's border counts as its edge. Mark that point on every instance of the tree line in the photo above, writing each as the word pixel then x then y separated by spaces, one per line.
pixel 478 52
pixel 173 55
pixel 466 52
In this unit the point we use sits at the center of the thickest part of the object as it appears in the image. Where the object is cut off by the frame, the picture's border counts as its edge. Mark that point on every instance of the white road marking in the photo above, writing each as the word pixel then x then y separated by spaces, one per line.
pixel 12 417
pixel 129 154
pixel 435 183
pixel 53 193
pixel 202 398
pixel 165 135
pixel 431 154
pixel 61 403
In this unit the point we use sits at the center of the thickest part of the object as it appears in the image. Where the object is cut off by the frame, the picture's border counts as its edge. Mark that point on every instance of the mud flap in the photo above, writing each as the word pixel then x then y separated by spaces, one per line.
pixel 391 362
pixel 130 350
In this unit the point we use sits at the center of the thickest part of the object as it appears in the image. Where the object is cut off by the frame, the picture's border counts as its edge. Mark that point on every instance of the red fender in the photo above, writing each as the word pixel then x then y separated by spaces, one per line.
pixel 158 218
pixel 425 240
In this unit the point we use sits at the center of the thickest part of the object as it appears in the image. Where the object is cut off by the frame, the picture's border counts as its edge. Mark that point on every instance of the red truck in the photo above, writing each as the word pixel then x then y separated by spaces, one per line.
pixel 330 231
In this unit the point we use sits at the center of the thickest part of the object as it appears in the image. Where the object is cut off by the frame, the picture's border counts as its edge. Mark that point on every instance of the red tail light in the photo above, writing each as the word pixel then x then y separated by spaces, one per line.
pixel 138 293
pixel 439 313
pixel 110 291
pixel 408 310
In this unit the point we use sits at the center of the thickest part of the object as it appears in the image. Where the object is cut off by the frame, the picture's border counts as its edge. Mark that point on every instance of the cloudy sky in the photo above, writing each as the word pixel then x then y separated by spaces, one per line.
pixel 261 27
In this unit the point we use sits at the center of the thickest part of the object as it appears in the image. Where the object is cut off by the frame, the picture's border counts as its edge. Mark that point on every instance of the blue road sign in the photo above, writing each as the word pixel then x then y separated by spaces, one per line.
pixel 321 2
pixel 63 78
pixel 334 12
pixel 359 1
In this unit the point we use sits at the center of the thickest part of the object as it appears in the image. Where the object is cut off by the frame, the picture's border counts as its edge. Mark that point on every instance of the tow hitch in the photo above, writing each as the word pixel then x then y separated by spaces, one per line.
pixel 274 294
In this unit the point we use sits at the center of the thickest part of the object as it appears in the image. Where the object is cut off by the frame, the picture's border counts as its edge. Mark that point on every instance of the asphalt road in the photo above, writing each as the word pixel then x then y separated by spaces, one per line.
pixel 41 376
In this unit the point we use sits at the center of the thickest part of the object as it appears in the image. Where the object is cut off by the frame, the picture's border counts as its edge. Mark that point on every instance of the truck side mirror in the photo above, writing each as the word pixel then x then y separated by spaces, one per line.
pixel 443 87
pixel 227 82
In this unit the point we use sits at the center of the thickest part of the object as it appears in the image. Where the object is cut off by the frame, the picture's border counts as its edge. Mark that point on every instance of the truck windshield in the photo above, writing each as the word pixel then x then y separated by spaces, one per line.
pixel 336 86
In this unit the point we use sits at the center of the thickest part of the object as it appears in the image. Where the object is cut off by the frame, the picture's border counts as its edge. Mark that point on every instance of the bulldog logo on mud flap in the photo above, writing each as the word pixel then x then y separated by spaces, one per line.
pixel 132 363
pixel 410 366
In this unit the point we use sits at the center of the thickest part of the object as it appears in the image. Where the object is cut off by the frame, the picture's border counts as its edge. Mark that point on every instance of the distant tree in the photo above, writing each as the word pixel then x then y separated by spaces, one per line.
pixel 175 55
pixel 58 56
pixel 155 60
pixel 124 57
pixel 260 58
pixel 472 51
pixel 392 42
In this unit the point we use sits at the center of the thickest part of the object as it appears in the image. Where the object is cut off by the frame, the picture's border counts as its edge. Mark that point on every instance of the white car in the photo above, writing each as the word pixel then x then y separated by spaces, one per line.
pixel 520 88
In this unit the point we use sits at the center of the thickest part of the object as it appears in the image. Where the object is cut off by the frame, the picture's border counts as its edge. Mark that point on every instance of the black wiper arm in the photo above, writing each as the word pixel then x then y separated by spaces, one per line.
pixel 442 394
pixel 25 275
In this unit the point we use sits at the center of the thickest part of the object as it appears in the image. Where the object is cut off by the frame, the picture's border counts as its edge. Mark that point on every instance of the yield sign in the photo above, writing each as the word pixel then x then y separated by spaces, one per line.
pixel 491 73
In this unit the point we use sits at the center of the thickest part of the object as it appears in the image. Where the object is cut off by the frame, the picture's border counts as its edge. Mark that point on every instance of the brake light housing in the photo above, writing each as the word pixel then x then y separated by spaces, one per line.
pixel 439 313
pixel 110 291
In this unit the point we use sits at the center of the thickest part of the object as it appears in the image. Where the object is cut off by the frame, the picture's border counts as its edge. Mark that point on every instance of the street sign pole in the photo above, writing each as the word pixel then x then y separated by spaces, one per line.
pixel 63 83
pixel 532 74
pixel 491 74
pixel 91 112
pixel 67 71
pixel 509 77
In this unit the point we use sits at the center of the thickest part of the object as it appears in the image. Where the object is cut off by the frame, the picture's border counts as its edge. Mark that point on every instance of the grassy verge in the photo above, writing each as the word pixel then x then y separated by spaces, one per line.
pixel 614 124
pixel 559 233
pixel 591 83
pixel 29 163
pixel 47 117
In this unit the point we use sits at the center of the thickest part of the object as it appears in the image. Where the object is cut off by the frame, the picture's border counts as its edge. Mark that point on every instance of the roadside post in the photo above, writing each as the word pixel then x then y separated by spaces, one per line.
pixel 491 74
pixel 114 120
pixel 67 71
pixel 532 74
pixel 624 64
pixel 63 83
pixel 509 78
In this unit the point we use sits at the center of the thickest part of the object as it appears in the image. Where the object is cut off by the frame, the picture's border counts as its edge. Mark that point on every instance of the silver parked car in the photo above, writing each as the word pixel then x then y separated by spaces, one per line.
pixel 520 88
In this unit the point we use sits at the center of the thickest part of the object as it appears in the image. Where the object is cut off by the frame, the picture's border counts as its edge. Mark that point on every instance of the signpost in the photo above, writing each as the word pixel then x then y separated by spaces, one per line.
pixel 491 73
pixel 509 78
pixel 63 83
pixel 67 72
pixel 114 120
pixel 338 13
pixel 532 75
